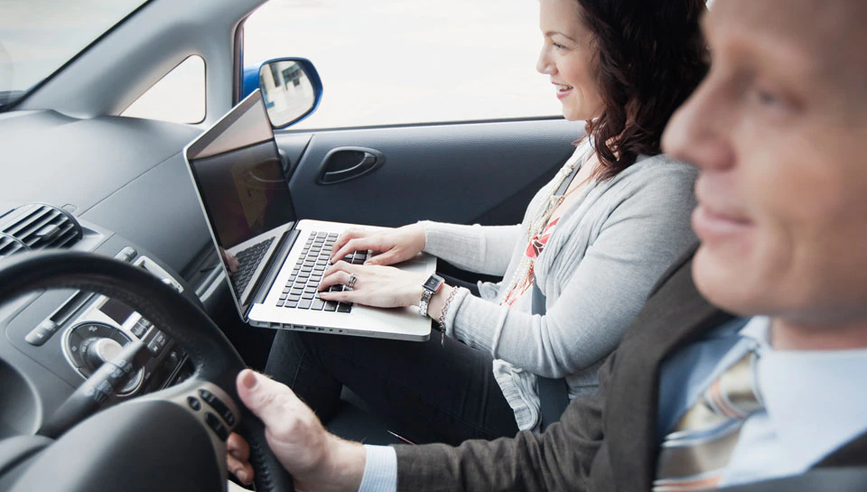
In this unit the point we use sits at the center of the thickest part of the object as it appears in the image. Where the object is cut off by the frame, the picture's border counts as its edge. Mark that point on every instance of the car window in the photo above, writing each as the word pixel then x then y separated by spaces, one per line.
pixel 38 36
pixel 409 61
pixel 178 97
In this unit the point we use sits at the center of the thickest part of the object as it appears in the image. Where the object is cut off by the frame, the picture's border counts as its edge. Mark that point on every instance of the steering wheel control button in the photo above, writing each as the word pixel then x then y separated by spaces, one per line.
pixel 194 403
pixel 218 405
pixel 41 333
pixel 215 425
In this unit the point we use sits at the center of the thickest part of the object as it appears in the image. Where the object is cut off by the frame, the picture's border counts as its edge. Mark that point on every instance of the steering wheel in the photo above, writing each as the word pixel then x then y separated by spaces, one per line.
pixel 173 439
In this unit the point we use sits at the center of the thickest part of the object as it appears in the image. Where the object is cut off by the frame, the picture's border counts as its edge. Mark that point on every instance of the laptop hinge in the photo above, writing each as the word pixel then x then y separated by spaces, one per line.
pixel 272 268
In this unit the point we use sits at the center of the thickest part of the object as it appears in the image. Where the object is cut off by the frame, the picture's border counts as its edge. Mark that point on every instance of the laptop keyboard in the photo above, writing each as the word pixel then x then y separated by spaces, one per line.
pixel 300 291
pixel 248 260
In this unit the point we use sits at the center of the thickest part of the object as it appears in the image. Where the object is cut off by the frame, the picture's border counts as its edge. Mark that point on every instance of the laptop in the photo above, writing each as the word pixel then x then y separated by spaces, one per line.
pixel 242 188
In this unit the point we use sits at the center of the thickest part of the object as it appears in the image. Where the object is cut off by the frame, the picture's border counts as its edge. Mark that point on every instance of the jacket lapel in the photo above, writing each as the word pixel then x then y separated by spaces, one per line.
pixel 673 317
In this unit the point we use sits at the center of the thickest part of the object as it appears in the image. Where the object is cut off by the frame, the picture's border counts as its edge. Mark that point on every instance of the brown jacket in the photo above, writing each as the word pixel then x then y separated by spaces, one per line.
pixel 604 442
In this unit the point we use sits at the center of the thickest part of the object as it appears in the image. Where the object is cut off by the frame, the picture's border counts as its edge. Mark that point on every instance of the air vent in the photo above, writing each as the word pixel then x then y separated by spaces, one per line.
pixel 37 226
pixel 10 245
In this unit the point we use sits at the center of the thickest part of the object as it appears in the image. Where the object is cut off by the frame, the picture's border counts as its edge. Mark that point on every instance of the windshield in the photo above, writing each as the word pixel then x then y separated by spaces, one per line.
pixel 38 36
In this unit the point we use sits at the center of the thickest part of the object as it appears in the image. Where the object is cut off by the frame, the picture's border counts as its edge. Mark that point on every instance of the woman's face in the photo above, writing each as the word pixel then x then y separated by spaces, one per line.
pixel 569 57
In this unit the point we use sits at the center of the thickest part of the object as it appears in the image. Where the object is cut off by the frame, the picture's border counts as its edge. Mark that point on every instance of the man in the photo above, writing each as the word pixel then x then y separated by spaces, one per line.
pixel 777 130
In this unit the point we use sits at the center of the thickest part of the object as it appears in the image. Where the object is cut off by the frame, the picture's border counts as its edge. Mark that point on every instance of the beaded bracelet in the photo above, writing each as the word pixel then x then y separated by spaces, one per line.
pixel 442 320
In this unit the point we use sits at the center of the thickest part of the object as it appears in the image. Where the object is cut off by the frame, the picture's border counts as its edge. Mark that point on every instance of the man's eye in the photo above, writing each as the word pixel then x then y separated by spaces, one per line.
pixel 771 102
pixel 767 98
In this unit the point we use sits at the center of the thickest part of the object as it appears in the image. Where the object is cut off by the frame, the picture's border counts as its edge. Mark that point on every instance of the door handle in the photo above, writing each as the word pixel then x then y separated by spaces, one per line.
pixel 345 163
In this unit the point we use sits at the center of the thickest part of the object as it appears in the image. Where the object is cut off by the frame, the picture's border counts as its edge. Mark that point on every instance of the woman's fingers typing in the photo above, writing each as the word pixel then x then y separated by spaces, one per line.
pixel 338 274
pixel 371 285
pixel 389 257
pixel 358 244
pixel 392 245
pixel 340 249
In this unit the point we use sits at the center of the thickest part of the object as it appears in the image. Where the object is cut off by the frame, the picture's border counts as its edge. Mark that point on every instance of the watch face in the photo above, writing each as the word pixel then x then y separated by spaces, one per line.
pixel 433 283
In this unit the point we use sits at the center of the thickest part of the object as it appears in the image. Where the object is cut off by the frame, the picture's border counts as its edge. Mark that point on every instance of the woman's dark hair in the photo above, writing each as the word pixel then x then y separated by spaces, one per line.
pixel 651 55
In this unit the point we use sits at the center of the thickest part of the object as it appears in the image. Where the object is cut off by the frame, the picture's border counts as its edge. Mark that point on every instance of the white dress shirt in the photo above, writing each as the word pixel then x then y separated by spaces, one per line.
pixel 814 403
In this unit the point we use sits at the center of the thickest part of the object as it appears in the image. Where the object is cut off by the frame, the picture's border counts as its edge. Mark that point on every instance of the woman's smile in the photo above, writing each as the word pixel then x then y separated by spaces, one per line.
pixel 562 90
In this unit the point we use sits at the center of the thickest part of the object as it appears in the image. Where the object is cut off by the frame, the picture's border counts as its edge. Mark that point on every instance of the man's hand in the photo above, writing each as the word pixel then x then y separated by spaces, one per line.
pixel 316 459
pixel 392 246
pixel 238 458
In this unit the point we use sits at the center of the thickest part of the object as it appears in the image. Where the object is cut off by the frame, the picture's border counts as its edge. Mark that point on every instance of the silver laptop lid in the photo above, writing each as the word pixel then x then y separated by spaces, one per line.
pixel 238 174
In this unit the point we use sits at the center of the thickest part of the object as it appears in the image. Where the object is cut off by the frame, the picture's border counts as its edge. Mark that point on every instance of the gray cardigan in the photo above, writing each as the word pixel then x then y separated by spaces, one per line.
pixel 610 246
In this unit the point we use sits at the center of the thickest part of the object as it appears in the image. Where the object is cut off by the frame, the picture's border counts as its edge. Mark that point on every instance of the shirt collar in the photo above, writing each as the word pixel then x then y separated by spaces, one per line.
pixel 815 399
pixel 758 331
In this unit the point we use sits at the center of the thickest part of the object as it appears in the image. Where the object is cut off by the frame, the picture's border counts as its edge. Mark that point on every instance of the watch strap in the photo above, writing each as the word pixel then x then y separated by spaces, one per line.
pixel 424 302
pixel 430 287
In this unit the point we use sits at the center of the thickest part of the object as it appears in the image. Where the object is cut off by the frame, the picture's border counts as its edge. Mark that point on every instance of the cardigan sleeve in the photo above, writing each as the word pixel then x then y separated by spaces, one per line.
pixel 479 249
pixel 647 230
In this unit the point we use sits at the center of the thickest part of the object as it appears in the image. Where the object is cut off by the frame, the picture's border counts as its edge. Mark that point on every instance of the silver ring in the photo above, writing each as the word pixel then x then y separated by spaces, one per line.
pixel 352 279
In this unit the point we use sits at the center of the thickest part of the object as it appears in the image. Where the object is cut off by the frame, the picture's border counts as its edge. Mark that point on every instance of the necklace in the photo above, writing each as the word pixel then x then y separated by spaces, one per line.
pixel 556 194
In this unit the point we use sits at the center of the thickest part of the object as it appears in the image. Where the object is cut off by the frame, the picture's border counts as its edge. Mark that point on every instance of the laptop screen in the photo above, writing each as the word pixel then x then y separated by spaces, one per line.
pixel 240 175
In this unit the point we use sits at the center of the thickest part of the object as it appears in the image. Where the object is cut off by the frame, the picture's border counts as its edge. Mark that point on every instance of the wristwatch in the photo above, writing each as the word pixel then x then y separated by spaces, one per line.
pixel 430 287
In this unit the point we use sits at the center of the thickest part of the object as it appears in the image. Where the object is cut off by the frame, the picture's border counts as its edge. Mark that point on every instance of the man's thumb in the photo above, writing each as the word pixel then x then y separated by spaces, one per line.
pixel 267 399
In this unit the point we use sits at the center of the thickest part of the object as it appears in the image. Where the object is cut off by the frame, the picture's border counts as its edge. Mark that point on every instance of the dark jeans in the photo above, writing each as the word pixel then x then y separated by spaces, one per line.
pixel 425 392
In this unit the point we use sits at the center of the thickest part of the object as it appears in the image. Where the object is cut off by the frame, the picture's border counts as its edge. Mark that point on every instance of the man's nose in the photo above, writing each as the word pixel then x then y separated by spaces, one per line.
pixel 699 131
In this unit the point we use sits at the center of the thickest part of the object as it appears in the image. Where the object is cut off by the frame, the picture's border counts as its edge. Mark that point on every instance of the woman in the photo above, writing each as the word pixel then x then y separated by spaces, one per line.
pixel 593 241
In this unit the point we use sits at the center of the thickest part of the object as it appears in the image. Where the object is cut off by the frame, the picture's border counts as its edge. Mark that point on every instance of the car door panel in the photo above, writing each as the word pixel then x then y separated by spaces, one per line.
pixel 462 173
pixel 291 147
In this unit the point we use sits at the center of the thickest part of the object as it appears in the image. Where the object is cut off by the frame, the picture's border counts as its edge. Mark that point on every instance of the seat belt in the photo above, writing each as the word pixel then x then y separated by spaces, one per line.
pixel 553 393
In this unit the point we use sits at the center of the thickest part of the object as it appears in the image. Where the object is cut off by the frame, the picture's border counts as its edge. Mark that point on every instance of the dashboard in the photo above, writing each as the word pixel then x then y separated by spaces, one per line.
pixel 109 186
pixel 63 336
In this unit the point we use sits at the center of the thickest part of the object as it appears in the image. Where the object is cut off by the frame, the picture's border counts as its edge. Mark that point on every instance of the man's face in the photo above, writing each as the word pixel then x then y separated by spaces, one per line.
pixel 779 132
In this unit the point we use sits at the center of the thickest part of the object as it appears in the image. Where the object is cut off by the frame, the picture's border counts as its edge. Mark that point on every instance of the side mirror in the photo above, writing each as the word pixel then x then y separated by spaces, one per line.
pixel 291 89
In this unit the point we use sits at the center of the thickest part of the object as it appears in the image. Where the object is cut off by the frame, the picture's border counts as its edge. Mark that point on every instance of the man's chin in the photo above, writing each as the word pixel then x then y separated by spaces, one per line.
pixel 722 282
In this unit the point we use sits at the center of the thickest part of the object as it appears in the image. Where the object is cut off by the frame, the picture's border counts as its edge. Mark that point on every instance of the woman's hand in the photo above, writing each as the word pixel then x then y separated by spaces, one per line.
pixel 377 286
pixel 392 246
